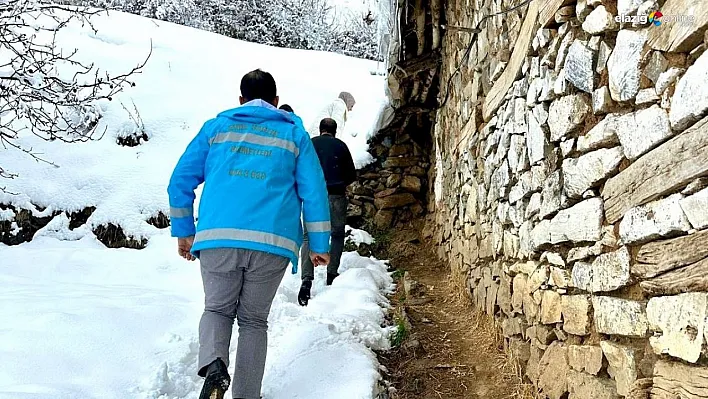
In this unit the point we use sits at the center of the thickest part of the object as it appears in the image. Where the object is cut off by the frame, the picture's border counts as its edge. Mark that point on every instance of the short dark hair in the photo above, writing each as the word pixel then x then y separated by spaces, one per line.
pixel 328 125
pixel 286 107
pixel 258 85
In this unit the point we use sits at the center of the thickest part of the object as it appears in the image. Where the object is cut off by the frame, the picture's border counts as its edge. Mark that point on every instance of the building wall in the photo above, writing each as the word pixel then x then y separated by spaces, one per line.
pixel 393 189
pixel 576 211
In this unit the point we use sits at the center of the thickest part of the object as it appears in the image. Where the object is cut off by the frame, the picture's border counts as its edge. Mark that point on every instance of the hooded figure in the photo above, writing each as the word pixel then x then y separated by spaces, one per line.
pixel 337 110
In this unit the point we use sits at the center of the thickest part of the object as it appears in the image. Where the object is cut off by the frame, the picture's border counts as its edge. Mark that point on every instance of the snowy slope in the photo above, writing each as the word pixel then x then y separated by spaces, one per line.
pixel 191 76
pixel 78 320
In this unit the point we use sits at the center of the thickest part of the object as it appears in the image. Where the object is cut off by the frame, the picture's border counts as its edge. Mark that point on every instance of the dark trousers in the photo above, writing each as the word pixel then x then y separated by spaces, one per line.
pixel 338 217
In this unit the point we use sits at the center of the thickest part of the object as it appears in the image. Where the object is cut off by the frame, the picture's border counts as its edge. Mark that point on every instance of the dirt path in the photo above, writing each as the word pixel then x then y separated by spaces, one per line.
pixel 450 350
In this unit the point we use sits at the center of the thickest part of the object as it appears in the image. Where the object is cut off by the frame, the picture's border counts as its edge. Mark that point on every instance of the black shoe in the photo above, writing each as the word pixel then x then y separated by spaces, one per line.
pixel 304 295
pixel 217 381
pixel 331 277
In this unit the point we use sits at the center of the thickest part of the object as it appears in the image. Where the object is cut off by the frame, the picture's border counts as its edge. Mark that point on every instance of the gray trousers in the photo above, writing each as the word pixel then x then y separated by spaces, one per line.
pixel 338 219
pixel 241 284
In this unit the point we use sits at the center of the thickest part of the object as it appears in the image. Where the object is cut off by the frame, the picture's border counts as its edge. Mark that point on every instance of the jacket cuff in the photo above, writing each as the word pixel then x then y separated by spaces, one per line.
pixel 319 242
pixel 182 227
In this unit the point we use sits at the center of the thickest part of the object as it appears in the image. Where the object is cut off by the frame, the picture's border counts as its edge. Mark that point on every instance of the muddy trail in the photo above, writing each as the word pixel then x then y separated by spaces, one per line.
pixel 446 349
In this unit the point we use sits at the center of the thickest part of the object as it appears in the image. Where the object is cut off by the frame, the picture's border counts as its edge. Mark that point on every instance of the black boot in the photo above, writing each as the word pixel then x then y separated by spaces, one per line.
pixel 304 295
pixel 217 381
pixel 331 277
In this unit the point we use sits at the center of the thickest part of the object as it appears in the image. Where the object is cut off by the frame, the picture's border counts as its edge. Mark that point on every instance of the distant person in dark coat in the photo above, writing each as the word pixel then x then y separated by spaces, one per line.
pixel 338 167
pixel 297 119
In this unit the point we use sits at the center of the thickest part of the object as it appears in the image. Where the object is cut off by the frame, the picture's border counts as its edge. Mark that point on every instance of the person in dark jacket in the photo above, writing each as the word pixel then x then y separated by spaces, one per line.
pixel 339 172
pixel 295 118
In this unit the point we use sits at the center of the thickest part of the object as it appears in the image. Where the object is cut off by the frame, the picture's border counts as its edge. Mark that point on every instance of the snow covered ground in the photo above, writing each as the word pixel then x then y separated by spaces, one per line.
pixel 82 321
pixel 78 320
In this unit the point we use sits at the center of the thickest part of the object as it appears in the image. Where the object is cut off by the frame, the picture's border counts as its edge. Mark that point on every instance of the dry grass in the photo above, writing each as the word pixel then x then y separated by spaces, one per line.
pixel 487 334
pixel 461 351
pixel 458 283
pixel 159 220
pixel 112 236
pixel 511 373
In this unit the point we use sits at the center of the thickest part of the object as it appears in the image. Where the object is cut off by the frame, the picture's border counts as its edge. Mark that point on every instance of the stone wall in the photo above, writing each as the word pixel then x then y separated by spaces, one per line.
pixel 570 189
pixel 392 189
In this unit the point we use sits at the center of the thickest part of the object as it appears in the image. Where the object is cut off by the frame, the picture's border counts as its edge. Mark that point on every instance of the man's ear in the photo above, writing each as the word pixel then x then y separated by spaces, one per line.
pixel 276 100
pixel 241 100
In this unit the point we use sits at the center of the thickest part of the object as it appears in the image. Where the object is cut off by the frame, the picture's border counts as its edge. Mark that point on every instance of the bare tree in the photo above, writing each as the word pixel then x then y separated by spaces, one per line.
pixel 34 97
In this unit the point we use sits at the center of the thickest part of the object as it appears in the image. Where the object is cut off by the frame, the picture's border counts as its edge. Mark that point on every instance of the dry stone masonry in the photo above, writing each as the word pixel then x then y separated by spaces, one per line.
pixel 569 189
pixel 390 190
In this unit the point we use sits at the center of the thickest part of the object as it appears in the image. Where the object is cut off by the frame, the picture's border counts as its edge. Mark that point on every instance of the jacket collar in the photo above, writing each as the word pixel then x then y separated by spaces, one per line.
pixel 258 109
pixel 264 104
pixel 259 103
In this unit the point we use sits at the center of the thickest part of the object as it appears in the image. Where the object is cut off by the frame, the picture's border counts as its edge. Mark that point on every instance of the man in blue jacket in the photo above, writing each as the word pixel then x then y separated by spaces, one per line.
pixel 260 173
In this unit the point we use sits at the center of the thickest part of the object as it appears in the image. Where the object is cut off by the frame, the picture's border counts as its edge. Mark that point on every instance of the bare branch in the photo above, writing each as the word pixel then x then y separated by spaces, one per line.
pixel 34 97
pixel 7 175
pixel 4 190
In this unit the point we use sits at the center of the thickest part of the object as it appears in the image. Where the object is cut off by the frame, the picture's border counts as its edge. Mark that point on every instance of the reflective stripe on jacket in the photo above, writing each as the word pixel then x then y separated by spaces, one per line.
pixel 260 173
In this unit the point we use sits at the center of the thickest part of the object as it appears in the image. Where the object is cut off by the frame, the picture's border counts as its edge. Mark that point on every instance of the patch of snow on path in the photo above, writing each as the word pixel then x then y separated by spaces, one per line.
pixel 83 321
pixel 358 237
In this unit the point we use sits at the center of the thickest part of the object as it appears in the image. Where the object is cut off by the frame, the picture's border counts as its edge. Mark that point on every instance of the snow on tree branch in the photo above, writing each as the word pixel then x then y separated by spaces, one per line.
pixel 299 24
pixel 34 96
